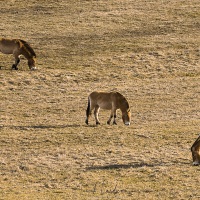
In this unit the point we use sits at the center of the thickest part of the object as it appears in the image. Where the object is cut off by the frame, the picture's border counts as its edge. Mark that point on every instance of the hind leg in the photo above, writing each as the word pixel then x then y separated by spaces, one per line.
pixel 96 114
pixel 88 114
pixel 17 60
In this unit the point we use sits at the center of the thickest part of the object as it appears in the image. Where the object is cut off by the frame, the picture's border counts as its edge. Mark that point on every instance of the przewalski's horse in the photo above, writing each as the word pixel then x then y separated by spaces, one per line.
pixel 18 47
pixel 196 151
pixel 109 101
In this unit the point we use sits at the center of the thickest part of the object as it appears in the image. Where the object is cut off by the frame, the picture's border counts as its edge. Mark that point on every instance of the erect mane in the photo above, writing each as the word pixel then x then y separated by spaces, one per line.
pixel 125 102
pixel 28 48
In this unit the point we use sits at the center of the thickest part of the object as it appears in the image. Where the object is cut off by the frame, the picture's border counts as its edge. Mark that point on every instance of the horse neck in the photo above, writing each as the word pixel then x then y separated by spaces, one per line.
pixel 26 53
pixel 124 106
pixel 196 141
pixel 124 109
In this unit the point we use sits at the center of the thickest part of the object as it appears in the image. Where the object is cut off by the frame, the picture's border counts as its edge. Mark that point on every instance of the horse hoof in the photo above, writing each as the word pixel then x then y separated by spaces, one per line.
pixel 14 67
pixel 97 123
pixel 86 121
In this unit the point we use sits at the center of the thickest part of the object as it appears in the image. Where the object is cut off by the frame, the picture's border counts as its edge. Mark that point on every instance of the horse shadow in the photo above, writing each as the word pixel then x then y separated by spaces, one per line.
pixel 121 166
pixel 41 126
pixel 25 127
pixel 134 165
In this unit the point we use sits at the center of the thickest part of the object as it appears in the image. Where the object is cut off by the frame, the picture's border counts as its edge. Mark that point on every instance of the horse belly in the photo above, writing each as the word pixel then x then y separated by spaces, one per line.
pixel 6 50
pixel 105 105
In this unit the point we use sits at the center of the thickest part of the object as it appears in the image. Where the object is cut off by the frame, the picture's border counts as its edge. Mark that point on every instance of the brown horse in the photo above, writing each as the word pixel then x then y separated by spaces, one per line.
pixel 18 47
pixel 109 101
pixel 196 151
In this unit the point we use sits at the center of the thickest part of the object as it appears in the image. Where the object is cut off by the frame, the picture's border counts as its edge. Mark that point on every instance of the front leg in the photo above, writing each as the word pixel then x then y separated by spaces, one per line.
pixel 109 120
pixel 96 115
pixel 115 116
pixel 113 113
pixel 14 67
pixel 17 60
pixel 114 121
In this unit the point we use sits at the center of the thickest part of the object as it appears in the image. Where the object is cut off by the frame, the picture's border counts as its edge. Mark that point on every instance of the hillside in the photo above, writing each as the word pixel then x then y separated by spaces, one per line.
pixel 148 51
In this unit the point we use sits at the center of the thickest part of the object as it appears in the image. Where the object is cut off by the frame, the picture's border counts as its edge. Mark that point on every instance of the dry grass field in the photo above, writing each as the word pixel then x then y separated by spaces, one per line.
pixel 147 50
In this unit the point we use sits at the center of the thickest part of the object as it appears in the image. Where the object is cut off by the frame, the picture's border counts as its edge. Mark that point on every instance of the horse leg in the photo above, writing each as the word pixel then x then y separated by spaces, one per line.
pixel 113 113
pixel 88 111
pixel 115 116
pixel 88 114
pixel 17 60
pixel 109 120
pixel 96 114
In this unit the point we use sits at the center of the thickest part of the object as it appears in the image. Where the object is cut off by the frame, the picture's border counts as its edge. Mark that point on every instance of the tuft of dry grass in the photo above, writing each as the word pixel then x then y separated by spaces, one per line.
pixel 148 51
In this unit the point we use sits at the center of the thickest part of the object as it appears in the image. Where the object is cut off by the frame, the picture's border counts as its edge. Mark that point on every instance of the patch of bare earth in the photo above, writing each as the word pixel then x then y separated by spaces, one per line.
pixel 148 51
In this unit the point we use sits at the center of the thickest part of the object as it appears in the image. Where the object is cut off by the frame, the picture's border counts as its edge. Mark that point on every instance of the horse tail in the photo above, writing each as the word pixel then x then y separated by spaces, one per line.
pixel 87 111
pixel 88 108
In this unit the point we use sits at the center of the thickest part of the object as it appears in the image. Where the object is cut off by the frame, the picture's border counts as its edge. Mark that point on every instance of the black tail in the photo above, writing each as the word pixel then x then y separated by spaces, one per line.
pixel 195 142
pixel 87 111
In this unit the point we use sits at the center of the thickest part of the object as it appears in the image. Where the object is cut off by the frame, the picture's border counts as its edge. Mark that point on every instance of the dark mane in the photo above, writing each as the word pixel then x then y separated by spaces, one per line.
pixel 196 141
pixel 28 47
pixel 124 99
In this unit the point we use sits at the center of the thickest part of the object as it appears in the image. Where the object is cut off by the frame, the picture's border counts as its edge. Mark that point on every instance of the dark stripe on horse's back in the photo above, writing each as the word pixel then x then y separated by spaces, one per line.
pixel 122 97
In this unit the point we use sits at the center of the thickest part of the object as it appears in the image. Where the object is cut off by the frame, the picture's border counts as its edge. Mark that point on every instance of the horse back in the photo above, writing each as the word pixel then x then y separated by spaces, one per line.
pixel 107 100
pixel 8 46
pixel 102 99
pixel 16 46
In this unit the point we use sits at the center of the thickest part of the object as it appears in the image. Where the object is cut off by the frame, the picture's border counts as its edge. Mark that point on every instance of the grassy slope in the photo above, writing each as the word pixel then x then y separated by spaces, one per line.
pixel 149 51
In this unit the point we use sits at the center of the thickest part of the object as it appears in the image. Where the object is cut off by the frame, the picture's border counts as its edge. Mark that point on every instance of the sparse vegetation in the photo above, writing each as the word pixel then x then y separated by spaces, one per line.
pixel 149 52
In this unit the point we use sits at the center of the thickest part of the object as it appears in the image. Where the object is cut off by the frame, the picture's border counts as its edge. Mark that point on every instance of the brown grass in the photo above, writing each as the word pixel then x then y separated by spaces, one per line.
pixel 148 51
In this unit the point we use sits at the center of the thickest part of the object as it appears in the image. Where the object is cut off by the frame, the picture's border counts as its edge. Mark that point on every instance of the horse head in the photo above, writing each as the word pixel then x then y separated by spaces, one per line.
pixel 126 117
pixel 196 152
pixel 196 157
pixel 31 63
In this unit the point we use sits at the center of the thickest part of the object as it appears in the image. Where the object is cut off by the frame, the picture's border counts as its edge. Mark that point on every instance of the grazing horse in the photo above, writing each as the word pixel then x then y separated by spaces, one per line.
pixel 18 47
pixel 109 101
pixel 196 151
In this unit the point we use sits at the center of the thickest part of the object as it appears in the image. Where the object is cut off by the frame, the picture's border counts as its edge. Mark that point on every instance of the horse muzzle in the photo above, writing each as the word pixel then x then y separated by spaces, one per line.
pixel 127 123
pixel 33 68
pixel 195 163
